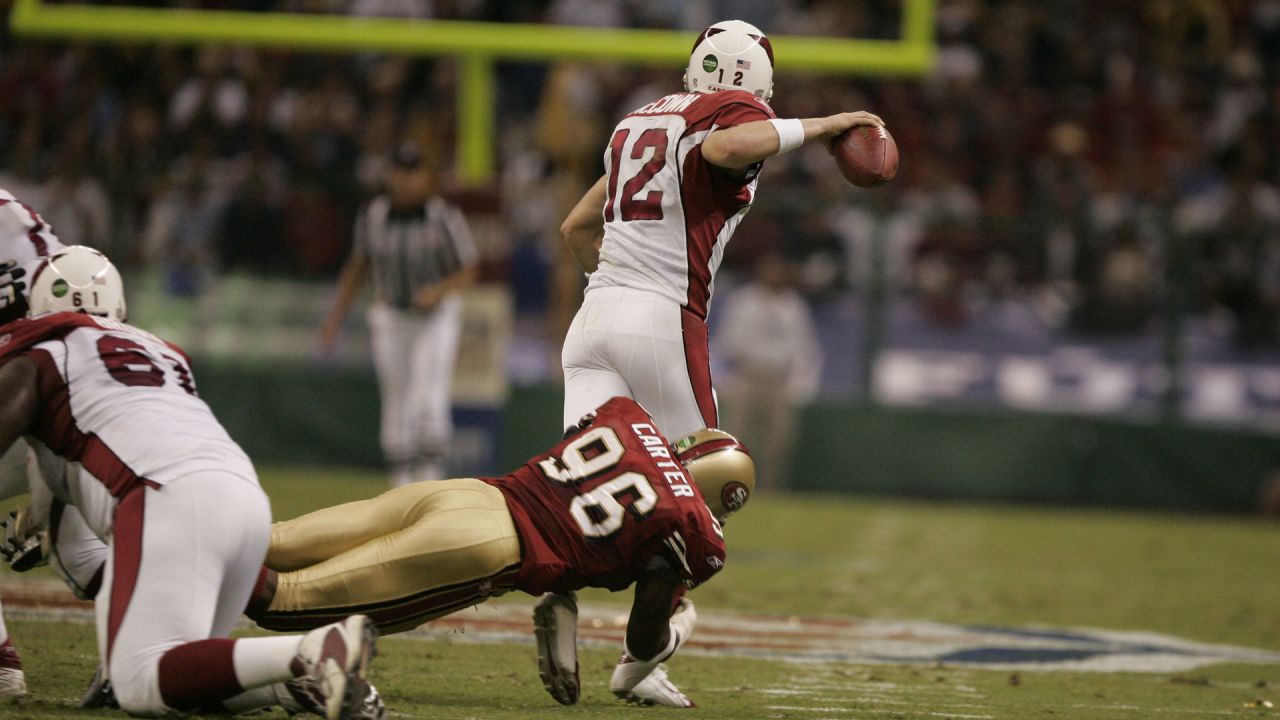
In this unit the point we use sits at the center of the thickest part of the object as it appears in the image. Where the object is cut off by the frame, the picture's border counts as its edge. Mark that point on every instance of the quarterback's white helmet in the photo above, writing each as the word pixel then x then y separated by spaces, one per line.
pixel 731 55
pixel 78 279
pixel 721 467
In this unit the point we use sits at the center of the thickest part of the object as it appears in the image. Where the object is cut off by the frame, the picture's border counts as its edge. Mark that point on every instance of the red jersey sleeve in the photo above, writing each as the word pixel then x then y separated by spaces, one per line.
pixel 717 111
pixel 21 335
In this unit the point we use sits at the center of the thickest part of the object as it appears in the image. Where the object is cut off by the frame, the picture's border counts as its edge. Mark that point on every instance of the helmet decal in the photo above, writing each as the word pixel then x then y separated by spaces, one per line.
pixel 734 495
pixel 720 467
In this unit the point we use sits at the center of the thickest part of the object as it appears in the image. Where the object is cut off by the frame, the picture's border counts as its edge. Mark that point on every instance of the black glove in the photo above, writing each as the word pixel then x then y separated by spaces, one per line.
pixel 11 283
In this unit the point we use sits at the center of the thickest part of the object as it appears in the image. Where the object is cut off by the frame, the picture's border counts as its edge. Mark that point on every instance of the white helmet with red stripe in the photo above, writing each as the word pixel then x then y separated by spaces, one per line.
pixel 78 279
pixel 721 467
pixel 731 55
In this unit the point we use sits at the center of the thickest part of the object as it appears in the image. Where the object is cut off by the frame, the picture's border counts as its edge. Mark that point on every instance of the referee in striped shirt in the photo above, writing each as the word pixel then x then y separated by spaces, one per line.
pixel 420 253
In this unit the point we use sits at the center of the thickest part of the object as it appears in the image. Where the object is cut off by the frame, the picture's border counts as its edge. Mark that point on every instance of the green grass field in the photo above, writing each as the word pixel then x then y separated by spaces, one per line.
pixel 1207 579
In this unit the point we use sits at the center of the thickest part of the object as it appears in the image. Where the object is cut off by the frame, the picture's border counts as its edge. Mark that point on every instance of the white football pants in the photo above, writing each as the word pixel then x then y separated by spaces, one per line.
pixel 643 346
pixel 414 355
pixel 184 558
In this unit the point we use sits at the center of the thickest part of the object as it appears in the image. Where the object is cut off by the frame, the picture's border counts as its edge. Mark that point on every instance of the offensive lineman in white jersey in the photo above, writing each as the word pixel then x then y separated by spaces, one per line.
pixel 680 174
pixel 120 434
pixel 25 239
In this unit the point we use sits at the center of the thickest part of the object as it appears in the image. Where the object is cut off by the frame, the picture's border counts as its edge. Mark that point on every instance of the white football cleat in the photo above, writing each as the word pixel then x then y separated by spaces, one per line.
pixel 555 627
pixel 656 689
pixel 13 682
pixel 331 665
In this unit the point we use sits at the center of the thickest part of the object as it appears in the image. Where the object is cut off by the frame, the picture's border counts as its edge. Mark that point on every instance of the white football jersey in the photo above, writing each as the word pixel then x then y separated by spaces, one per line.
pixel 668 212
pixel 24 235
pixel 118 407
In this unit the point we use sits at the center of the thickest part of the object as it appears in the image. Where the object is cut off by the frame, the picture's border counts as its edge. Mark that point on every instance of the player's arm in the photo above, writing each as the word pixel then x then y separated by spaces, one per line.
pixel 429 296
pixel 18 388
pixel 583 229
pixel 458 234
pixel 349 283
pixel 742 146
pixel 654 634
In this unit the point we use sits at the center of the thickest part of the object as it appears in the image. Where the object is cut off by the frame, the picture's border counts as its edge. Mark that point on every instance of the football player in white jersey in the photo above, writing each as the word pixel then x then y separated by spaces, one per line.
pixel 680 174
pixel 25 238
pixel 121 435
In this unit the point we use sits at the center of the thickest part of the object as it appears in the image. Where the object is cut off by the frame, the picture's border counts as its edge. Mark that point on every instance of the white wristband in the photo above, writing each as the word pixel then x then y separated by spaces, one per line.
pixel 790 134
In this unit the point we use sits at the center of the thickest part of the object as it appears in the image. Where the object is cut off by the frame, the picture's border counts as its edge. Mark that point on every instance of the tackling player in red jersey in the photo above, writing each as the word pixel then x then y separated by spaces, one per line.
pixel 611 505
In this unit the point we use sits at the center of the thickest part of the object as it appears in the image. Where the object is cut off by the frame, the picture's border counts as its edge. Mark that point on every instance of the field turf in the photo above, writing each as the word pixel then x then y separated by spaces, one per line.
pixel 1208 579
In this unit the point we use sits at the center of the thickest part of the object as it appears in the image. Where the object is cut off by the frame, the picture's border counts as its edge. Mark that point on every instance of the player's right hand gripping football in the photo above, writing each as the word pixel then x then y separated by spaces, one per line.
pixel 11 283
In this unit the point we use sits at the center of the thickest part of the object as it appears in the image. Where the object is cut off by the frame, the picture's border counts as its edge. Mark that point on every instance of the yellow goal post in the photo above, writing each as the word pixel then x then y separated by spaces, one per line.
pixel 476 45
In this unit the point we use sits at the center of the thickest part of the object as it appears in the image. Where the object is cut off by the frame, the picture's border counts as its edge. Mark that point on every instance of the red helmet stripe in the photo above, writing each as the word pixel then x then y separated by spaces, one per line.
pixel 709 447
pixel 708 33
pixel 768 47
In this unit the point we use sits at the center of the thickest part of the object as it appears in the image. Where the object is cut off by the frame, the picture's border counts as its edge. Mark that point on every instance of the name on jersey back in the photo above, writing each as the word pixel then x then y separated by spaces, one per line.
pixel 670 104
pixel 661 453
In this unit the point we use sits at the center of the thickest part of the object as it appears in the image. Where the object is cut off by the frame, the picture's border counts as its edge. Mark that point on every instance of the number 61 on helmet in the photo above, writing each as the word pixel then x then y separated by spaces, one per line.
pixel 78 279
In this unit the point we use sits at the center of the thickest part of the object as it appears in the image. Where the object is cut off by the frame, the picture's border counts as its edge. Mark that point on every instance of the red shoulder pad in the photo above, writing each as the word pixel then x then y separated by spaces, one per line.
pixel 730 107
pixel 23 334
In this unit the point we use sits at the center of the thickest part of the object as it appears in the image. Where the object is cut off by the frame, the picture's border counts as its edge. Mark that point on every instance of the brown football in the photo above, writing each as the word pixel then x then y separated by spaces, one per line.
pixel 867 156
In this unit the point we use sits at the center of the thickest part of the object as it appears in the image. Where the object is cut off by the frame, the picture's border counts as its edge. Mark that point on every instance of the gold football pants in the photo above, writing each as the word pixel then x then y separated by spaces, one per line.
pixel 407 556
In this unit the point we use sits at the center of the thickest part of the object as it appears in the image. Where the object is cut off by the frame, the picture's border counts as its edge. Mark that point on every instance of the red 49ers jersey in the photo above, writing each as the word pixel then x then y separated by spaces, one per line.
pixel 596 508
pixel 669 213
pixel 117 407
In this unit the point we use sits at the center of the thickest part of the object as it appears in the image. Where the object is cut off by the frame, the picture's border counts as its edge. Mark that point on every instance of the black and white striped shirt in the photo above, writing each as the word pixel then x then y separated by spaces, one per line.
pixel 409 250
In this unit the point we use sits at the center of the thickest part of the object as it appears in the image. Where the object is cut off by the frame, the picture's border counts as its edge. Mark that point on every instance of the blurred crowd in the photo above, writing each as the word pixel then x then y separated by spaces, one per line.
pixel 1098 161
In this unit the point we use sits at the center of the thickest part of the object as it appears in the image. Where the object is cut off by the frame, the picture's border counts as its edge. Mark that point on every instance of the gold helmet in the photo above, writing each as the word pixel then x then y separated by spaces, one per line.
pixel 721 467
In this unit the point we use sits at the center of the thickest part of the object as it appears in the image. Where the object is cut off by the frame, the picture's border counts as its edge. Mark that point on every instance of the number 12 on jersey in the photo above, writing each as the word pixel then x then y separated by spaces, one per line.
pixel 639 158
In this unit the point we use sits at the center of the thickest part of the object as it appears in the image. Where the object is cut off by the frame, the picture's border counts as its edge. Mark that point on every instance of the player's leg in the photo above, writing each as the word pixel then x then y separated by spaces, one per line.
pixel 661 350
pixel 390 335
pixel 442 546
pixel 13 682
pixel 79 555
pixel 296 695
pixel 325 533
pixel 590 379
pixel 13 471
pixel 434 353
pixel 170 554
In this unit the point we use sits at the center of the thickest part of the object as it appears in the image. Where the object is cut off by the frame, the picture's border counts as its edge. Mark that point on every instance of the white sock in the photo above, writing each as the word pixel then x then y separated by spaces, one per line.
pixel 4 631
pixel 263 660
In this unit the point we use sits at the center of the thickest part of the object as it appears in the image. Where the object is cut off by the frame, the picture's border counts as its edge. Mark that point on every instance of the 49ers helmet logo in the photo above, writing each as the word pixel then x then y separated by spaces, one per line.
pixel 734 495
